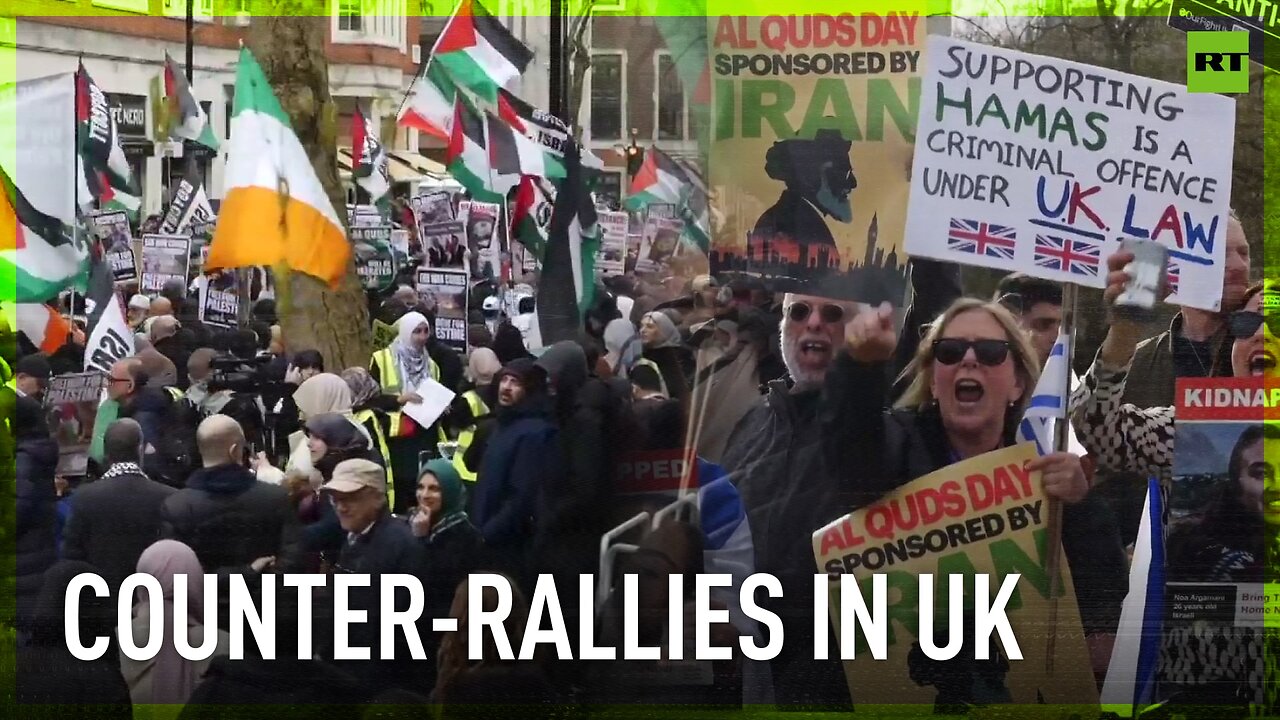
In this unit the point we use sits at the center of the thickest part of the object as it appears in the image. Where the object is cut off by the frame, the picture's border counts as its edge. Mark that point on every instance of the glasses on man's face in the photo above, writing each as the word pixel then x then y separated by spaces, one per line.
pixel 799 311
pixel 112 380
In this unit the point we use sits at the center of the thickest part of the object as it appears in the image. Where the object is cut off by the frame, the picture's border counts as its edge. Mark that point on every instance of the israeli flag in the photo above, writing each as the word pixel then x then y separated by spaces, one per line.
pixel 1131 675
pixel 1048 404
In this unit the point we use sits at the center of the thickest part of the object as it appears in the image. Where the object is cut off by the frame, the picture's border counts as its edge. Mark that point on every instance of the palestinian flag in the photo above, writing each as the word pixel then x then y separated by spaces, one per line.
pixel 479 52
pixel 104 173
pixel 567 284
pixel 369 163
pixel 44 326
pixel 694 206
pixel 659 180
pixel 511 153
pixel 531 215
pixel 40 255
pixel 275 209
pixel 184 118
pixel 429 104
pixel 468 155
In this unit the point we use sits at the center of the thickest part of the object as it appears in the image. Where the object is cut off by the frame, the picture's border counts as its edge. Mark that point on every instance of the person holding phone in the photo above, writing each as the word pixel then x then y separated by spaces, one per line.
pixel 1127 437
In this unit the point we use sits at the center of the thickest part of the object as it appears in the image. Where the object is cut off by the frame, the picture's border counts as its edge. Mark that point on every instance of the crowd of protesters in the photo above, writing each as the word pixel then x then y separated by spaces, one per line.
pixel 813 406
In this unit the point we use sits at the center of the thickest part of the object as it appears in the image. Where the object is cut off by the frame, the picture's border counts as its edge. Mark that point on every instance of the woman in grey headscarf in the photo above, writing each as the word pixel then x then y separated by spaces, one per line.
pixel 664 348
pixel 622 347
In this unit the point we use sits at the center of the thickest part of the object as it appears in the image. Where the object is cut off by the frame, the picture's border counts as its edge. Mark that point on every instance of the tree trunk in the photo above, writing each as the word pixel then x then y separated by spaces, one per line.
pixel 290 49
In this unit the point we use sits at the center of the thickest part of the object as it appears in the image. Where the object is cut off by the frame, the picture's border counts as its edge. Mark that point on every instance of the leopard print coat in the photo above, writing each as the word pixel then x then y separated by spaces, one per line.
pixel 1121 436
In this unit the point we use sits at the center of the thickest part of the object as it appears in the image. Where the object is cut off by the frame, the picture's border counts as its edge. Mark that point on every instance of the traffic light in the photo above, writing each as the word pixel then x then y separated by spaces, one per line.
pixel 635 158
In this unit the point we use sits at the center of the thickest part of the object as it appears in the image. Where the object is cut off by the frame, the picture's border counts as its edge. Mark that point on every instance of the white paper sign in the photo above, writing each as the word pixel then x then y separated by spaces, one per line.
pixel 1030 163
pixel 435 400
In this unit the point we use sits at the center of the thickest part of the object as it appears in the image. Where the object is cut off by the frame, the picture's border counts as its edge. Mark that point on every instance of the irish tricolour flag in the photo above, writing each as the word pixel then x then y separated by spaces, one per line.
pixel 275 208
pixel 480 53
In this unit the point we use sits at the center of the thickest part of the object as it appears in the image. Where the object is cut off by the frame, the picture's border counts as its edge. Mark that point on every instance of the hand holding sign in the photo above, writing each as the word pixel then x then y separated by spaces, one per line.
pixel 1062 475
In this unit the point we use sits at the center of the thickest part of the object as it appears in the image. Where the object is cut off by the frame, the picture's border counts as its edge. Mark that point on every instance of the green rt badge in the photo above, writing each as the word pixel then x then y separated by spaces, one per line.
pixel 1218 62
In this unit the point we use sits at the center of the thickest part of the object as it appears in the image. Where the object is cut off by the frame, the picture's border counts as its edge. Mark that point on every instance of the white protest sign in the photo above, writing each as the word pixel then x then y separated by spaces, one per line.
pixel 1030 163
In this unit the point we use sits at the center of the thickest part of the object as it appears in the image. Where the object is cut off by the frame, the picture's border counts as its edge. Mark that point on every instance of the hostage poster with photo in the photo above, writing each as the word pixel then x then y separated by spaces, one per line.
pixel 1219 516
pixel 611 257
pixel 446 291
pixel 112 230
pixel 164 258
pixel 484 236
pixel 375 259
pixel 1043 166
pixel 814 120
pixel 659 244
pixel 432 207
pixel 986 515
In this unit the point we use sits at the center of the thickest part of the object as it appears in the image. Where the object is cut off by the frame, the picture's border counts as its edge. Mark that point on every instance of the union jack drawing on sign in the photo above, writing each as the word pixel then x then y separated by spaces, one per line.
pixel 1174 276
pixel 1078 257
pixel 981 238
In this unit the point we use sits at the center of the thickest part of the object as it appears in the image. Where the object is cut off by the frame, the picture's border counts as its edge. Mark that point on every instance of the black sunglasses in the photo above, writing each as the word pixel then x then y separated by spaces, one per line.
pixel 800 311
pixel 950 351
pixel 1244 323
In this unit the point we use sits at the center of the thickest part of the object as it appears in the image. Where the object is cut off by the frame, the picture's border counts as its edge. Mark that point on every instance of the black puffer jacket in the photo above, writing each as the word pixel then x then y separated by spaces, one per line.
pixel 230 519
pixel 35 462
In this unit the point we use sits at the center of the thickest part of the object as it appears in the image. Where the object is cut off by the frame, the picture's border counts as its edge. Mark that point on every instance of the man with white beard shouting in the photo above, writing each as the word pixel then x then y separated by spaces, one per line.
pixel 792 462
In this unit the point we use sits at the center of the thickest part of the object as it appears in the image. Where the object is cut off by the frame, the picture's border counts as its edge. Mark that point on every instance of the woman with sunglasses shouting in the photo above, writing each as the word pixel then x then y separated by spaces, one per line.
pixel 1128 438
pixel 968 385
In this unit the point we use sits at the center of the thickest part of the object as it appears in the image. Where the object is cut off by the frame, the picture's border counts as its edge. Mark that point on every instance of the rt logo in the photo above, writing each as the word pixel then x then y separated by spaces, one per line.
pixel 1218 62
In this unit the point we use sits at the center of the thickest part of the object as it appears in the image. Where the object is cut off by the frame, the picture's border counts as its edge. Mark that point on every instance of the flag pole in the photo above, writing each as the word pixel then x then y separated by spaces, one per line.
pixel 1061 438
pixel 77 172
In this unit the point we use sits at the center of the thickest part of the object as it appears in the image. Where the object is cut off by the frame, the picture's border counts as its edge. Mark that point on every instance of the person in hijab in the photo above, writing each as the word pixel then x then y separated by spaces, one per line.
pixel 370 408
pixel 45 671
pixel 317 395
pixel 168 678
pixel 482 366
pixel 450 542
pixel 663 348
pixel 622 347
pixel 331 439
pixel 400 369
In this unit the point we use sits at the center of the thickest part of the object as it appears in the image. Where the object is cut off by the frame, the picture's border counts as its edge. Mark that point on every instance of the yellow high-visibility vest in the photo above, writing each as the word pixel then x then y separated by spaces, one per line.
pixel 468 435
pixel 369 419
pixel 389 379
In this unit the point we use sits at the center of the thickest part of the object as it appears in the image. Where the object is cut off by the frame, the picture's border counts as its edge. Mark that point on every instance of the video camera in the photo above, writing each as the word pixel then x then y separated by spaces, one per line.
pixel 239 375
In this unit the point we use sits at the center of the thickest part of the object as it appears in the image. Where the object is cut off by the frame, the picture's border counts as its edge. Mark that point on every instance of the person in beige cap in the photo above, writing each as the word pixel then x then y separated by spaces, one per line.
pixel 376 544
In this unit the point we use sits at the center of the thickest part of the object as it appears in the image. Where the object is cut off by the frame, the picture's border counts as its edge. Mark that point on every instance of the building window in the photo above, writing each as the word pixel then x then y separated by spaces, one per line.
pixel 370 22
pixel 607 89
pixel 138 6
pixel 350 17
pixel 202 10
pixel 668 100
